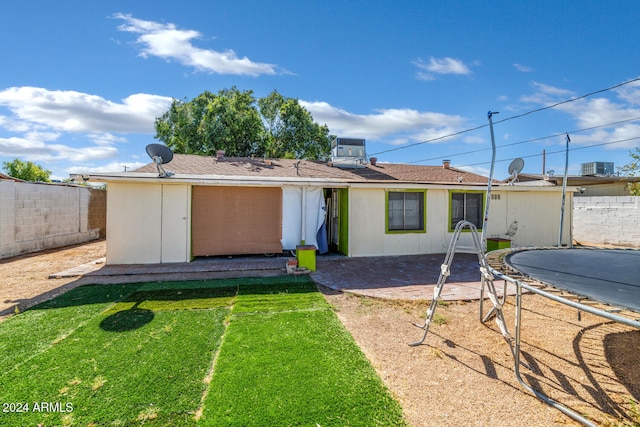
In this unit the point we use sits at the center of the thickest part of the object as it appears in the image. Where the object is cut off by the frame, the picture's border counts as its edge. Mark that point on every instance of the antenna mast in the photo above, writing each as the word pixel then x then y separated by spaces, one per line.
pixel 488 199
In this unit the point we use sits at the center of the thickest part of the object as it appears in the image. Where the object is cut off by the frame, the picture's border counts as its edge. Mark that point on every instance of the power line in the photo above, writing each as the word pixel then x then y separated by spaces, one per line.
pixel 568 100
pixel 555 135
pixel 430 140
pixel 557 151
pixel 508 118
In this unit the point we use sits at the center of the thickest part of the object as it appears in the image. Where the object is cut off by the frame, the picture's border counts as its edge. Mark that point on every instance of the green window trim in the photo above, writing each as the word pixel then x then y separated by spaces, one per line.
pixel 451 225
pixel 422 227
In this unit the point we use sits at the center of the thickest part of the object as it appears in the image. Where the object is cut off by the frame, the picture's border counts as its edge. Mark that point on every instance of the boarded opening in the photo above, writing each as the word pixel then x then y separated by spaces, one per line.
pixel 236 220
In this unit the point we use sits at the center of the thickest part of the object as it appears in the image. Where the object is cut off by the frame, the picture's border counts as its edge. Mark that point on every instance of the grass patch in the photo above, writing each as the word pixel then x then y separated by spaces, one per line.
pixel 287 360
pixel 295 368
pixel 144 354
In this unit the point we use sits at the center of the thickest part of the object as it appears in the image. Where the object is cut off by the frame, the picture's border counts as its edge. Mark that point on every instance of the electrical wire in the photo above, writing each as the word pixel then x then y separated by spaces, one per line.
pixel 508 118
pixel 568 100
pixel 555 135
pixel 557 151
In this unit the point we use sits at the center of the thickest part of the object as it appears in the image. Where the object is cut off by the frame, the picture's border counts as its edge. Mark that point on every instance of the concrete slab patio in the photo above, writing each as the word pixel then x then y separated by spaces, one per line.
pixel 395 277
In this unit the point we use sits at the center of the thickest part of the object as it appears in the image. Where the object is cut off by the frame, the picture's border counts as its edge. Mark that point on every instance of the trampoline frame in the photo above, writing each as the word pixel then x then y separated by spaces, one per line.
pixel 520 285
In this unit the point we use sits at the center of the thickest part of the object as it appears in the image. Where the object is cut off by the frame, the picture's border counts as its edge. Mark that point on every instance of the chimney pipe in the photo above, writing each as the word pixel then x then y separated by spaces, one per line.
pixel 446 164
pixel 219 155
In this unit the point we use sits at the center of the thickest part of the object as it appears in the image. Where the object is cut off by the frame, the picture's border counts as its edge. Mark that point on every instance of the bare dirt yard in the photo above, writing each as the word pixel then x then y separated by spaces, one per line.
pixel 463 374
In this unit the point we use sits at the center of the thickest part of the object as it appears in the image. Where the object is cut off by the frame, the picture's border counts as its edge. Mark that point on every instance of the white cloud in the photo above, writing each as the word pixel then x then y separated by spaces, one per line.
pixel 428 69
pixel 545 94
pixel 111 167
pixel 13 125
pixel 630 93
pixel 168 42
pixel 71 111
pixel 402 125
pixel 39 149
pixel 474 169
pixel 601 112
pixel 106 138
pixel 522 68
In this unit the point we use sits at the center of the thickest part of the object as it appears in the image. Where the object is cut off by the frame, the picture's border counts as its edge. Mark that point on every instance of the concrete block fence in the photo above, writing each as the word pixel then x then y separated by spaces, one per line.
pixel 38 216
pixel 607 220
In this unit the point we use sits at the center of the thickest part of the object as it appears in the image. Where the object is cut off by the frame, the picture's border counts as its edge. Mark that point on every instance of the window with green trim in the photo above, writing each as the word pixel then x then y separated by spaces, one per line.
pixel 405 211
pixel 466 207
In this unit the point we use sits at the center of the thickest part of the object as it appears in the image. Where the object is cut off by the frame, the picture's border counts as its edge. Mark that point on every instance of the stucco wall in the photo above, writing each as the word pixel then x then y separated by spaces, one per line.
pixel 36 216
pixel 536 211
pixel 607 220
pixel 148 223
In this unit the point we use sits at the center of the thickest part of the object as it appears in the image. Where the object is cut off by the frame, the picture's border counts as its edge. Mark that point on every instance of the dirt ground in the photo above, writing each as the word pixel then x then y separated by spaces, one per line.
pixel 463 374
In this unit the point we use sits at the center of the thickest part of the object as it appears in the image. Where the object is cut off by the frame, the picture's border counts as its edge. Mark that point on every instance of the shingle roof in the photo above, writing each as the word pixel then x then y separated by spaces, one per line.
pixel 187 164
pixel 9 178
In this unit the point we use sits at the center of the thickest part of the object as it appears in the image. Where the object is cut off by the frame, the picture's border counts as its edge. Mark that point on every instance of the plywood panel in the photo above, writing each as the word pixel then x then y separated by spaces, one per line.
pixel 236 220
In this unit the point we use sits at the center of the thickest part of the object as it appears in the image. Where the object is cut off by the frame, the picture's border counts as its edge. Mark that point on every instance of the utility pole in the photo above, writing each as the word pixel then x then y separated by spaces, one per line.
pixel 564 188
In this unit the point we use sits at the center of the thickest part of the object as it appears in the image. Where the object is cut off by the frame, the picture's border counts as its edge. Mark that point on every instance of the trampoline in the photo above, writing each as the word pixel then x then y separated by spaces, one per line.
pixel 610 276
pixel 577 277
pixel 607 276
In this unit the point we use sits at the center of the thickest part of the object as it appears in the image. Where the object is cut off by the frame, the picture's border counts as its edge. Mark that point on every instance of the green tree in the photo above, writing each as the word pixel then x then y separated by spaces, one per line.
pixel 290 131
pixel 236 122
pixel 227 121
pixel 27 171
pixel 632 169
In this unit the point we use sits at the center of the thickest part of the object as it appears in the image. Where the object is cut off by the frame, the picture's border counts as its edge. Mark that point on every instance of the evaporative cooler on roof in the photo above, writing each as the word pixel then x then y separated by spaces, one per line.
pixel 597 168
pixel 348 152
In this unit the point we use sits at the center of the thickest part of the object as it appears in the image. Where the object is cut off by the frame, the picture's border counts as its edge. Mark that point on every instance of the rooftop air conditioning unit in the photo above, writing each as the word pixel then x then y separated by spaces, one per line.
pixel 348 152
pixel 596 168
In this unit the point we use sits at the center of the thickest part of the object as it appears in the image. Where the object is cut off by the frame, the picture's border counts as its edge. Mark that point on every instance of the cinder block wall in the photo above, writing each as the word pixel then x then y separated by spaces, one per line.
pixel 606 220
pixel 37 216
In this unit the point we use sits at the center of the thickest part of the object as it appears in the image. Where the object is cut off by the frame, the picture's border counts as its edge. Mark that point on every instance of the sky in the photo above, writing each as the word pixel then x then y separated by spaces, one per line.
pixel 81 83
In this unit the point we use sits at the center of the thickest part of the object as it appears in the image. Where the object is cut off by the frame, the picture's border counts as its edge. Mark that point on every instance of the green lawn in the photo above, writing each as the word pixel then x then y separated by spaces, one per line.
pixel 212 353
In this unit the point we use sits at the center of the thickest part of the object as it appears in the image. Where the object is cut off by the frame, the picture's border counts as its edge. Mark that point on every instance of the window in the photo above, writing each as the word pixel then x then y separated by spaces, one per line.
pixel 466 206
pixel 405 211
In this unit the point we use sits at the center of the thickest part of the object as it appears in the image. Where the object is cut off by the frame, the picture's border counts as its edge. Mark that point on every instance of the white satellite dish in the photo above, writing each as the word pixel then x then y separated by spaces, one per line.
pixel 515 167
pixel 160 154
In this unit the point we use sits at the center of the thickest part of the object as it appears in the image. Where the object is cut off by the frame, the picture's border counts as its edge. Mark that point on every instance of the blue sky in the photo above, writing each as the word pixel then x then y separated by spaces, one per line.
pixel 82 82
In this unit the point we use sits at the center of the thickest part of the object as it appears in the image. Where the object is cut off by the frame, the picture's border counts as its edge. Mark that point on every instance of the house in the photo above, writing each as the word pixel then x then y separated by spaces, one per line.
pixel 214 206
pixel 587 185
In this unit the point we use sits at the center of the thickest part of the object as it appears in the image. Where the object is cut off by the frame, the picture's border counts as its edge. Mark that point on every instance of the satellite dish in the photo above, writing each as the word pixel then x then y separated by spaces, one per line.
pixel 160 154
pixel 515 167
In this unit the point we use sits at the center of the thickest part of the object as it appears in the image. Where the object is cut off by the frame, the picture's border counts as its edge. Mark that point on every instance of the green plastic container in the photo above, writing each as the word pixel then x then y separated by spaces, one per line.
pixel 306 255
pixel 495 243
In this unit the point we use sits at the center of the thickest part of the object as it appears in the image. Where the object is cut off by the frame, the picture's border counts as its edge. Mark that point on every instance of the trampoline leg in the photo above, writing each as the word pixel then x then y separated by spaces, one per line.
pixel 516 362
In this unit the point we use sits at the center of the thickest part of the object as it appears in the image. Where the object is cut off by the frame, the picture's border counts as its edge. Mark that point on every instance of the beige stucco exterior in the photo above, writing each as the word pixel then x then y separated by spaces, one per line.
pixel 151 222
pixel 537 212
pixel 148 223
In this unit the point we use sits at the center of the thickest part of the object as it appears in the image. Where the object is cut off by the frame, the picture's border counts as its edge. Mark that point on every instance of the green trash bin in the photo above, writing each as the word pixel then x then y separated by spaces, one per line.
pixel 306 255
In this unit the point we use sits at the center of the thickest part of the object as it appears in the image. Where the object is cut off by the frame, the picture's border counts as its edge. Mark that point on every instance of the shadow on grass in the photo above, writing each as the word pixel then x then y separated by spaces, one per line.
pixel 127 320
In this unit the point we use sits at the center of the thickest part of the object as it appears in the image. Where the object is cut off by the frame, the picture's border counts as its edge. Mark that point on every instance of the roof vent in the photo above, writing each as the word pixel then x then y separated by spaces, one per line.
pixel 446 164
pixel 219 155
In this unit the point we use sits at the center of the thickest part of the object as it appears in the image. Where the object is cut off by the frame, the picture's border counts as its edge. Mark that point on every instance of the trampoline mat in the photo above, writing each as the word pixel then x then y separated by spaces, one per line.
pixel 606 275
